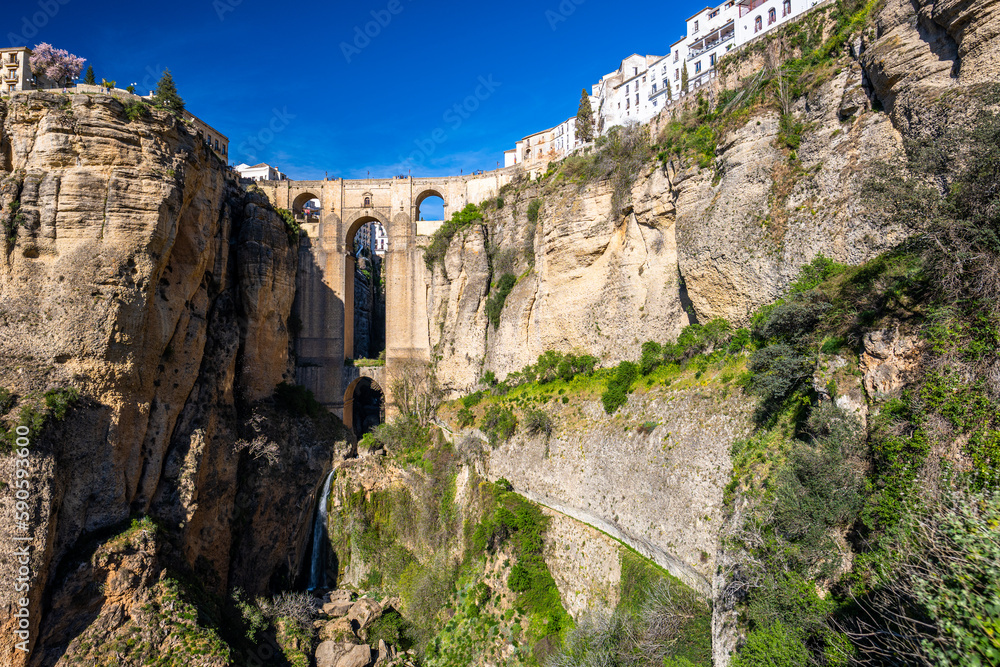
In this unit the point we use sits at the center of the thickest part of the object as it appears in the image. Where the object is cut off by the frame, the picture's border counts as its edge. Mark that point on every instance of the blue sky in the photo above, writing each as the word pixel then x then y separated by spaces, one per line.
pixel 293 84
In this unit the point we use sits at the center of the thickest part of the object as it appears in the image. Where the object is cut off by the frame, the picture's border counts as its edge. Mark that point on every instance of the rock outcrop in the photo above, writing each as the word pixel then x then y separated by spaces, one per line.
pixel 697 243
pixel 137 270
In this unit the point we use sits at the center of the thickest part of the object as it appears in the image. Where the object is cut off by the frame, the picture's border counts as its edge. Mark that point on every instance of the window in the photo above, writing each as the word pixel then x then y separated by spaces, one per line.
pixel 644 78
pixel 637 99
pixel 772 16
pixel 677 74
pixel 712 15
pixel 368 200
pixel 758 24
pixel 695 26
pixel 654 87
pixel 626 89
pixel 697 67
pixel 711 60
pixel 677 56
pixel 786 7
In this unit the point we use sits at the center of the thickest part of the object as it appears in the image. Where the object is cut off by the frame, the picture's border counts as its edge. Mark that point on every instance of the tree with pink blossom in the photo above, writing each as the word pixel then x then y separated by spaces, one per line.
pixel 57 65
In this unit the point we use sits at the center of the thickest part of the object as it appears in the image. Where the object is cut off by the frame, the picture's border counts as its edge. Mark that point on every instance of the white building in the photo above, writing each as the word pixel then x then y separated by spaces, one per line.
pixel 542 147
pixel 15 69
pixel 373 236
pixel 624 95
pixel 260 172
pixel 643 86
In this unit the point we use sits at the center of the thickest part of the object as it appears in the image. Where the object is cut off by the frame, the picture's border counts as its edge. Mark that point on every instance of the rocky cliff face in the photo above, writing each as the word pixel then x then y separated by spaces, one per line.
pixel 729 237
pixel 136 270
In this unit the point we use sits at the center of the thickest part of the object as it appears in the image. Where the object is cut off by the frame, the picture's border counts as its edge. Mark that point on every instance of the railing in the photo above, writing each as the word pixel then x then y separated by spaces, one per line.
pixel 708 47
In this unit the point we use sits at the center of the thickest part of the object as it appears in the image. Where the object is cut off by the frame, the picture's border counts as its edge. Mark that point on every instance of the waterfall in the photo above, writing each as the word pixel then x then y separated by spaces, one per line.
pixel 317 570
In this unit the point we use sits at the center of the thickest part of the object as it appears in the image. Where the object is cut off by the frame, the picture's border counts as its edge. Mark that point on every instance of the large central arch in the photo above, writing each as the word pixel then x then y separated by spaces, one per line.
pixel 327 260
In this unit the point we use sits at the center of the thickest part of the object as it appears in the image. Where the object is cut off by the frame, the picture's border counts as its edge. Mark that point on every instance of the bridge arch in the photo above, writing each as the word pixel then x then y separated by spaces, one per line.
pixel 354 223
pixel 425 194
pixel 364 405
pixel 303 198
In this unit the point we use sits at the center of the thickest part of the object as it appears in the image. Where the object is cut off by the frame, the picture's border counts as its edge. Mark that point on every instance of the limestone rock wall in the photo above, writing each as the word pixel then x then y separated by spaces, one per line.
pixel 717 241
pixel 135 269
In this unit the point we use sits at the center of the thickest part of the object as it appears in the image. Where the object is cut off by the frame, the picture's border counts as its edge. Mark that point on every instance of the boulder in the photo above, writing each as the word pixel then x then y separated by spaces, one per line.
pixel 339 596
pixel 339 630
pixel 359 656
pixel 364 612
pixel 337 609
pixel 329 653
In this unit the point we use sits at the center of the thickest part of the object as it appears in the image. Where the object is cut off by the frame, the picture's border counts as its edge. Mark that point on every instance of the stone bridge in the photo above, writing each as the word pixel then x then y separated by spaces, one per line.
pixel 325 283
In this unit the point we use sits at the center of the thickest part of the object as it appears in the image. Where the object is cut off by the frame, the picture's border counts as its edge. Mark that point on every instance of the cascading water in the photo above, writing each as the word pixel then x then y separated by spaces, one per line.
pixel 317 571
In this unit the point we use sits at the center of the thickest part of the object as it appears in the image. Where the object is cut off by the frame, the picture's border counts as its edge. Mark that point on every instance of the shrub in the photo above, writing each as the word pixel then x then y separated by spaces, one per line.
pixel 499 423
pixel 441 239
pixel 777 372
pixel 773 646
pixel 475 398
pixel 820 269
pixel 292 226
pixel 819 487
pixel 619 386
pixel 533 208
pixel 136 110
pixel 537 421
pixel 494 305
pixel 519 579
pixel 59 401
pixel 466 418
pixel 790 132
pixel 789 322
pixel 297 400
pixel 652 356
pixel 7 401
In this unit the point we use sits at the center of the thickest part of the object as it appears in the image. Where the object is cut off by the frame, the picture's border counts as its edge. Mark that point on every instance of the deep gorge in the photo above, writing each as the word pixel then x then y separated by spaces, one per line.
pixel 688 391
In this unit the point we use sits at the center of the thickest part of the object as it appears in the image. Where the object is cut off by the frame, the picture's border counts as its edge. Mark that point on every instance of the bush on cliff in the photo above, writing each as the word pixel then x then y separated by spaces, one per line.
pixel 441 238
pixel 494 305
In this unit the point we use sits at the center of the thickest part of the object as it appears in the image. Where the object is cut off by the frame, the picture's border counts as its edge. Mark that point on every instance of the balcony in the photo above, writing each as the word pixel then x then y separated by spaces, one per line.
pixel 711 41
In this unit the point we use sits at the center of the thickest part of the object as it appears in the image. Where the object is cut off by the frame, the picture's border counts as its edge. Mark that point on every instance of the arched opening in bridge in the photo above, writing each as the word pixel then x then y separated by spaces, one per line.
pixel 307 207
pixel 430 206
pixel 367 248
pixel 364 406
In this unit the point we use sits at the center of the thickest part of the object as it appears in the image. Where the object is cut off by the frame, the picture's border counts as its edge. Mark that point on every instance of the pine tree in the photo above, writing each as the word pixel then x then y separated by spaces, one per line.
pixel 88 78
pixel 684 77
pixel 585 118
pixel 670 90
pixel 166 94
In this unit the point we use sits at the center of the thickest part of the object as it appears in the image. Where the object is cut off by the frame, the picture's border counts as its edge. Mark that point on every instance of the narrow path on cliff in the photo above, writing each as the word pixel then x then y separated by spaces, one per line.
pixel 645 547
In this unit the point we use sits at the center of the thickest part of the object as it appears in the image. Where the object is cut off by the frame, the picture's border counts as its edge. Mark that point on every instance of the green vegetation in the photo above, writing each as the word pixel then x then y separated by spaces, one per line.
pixel 36 412
pixel 292 226
pixel 136 110
pixel 533 208
pixel 298 400
pixel 88 77
pixel 499 424
pixel 585 118
pixel 165 96
pixel 14 220
pixel 441 239
pixel 494 305
pixel 894 524
pixel 408 537
pixel 697 344
pixel 658 621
